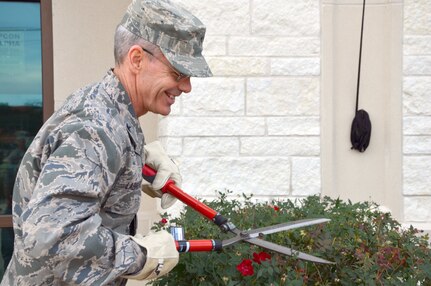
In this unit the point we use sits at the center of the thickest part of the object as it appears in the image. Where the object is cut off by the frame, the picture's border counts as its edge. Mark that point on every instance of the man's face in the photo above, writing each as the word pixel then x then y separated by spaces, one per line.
pixel 157 86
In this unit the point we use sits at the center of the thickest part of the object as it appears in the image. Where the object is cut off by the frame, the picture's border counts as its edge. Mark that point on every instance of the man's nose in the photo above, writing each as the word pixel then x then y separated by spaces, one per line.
pixel 185 85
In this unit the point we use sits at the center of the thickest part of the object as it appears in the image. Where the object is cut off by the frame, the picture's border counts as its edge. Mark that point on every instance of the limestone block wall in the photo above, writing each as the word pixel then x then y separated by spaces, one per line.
pixel 254 127
pixel 417 112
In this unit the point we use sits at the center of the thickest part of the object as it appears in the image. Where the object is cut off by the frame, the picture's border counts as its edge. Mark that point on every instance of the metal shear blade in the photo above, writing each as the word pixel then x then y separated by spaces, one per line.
pixel 254 233
pixel 251 236
pixel 287 251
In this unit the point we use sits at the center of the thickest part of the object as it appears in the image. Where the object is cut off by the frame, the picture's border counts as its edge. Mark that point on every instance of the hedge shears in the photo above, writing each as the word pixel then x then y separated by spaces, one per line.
pixel 254 236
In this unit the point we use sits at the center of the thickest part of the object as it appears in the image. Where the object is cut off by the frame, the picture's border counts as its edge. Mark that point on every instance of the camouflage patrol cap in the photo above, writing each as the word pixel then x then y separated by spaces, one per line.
pixel 177 33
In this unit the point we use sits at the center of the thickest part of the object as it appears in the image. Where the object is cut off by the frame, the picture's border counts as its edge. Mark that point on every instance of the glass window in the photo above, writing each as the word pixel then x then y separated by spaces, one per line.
pixel 21 112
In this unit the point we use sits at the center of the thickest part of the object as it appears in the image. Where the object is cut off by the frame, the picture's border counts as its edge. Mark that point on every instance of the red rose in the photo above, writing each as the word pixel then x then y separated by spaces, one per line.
pixel 262 256
pixel 245 267
pixel 164 221
pixel 276 208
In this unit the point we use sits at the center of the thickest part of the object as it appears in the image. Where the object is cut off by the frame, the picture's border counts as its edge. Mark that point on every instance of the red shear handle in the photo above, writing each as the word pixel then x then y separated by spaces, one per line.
pixel 149 174
pixel 198 245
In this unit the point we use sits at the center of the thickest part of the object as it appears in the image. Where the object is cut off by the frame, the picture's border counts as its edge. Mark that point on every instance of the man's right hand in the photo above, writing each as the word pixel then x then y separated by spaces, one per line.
pixel 157 158
pixel 161 257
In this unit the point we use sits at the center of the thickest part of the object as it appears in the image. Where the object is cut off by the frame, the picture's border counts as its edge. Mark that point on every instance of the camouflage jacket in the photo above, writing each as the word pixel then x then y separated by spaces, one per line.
pixel 77 191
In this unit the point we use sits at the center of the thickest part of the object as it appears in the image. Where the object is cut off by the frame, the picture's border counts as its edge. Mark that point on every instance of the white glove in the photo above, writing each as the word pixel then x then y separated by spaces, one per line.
pixel 162 255
pixel 156 157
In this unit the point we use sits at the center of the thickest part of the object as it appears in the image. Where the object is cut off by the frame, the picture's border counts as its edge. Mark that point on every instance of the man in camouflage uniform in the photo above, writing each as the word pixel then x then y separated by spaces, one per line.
pixel 79 184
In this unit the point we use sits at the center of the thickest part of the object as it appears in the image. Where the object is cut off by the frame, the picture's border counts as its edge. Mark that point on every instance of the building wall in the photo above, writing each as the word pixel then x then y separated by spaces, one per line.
pixel 254 127
pixel 257 126
pixel 417 112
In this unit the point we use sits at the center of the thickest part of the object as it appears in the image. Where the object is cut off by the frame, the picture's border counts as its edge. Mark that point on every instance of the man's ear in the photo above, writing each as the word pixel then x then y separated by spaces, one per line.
pixel 134 57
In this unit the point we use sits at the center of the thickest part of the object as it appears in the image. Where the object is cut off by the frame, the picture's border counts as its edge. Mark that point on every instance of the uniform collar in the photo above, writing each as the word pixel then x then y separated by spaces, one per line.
pixel 116 91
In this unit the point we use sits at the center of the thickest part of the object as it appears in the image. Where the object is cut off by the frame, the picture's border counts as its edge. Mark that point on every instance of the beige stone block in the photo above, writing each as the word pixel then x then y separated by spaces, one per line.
pixel 211 126
pixel 417 145
pixel 215 46
pixel 309 125
pixel 238 66
pixel 215 96
pixel 211 146
pixel 417 125
pixel 417 45
pixel 417 175
pixel 172 145
pixel 260 176
pixel 280 146
pixel 305 176
pixel 417 65
pixel 283 96
pixel 285 18
pixel 417 95
pixel 274 46
pixel 221 17
pixel 295 66
pixel 417 209
pixel 417 20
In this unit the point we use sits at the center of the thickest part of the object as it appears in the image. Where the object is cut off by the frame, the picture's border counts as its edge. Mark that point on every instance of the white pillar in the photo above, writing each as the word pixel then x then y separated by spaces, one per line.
pixel 376 174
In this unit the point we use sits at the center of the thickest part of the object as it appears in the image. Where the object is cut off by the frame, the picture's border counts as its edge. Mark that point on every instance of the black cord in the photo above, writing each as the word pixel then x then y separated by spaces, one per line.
pixel 360 57
pixel 360 132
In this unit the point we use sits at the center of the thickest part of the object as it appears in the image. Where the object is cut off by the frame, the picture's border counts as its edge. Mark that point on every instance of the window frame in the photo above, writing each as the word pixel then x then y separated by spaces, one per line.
pixel 47 71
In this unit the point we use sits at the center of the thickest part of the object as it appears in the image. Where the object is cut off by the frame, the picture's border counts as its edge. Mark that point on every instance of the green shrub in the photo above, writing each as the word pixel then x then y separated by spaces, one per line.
pixel 368 246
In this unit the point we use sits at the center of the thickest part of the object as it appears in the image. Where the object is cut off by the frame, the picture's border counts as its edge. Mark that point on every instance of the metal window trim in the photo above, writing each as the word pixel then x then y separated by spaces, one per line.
pixel 5 221
pixel 47 72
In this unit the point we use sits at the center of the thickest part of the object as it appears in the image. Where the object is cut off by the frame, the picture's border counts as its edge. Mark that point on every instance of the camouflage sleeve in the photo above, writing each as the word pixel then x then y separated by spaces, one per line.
pixel 62 224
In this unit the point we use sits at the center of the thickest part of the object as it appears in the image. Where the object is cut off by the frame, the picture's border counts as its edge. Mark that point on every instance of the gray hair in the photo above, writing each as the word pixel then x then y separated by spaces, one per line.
pixel 124 39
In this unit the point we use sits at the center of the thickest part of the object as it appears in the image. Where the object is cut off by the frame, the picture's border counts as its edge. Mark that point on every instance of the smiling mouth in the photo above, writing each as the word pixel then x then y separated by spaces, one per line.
pixel 171 98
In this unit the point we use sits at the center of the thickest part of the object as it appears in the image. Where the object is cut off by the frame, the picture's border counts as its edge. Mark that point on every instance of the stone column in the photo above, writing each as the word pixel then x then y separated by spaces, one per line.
pixel 376 174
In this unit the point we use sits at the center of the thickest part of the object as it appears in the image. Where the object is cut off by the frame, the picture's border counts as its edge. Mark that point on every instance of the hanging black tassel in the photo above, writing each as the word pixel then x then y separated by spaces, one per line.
pixel 360 133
